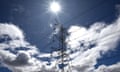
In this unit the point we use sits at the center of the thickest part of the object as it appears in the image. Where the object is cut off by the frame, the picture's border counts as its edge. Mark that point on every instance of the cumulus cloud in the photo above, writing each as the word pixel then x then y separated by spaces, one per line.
pixel 89 44
pixel 15 52
pixel 85 46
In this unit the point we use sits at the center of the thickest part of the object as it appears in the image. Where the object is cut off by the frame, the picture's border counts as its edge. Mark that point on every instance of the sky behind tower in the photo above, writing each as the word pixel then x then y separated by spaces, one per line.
pixel 93 27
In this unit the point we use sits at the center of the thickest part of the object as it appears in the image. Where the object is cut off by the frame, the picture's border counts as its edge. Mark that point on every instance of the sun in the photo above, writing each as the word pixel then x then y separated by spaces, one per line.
pixel 55 7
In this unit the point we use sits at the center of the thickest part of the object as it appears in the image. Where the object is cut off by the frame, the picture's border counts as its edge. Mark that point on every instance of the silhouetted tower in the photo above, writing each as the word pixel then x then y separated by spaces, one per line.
pixel 62 46
pixel 64 59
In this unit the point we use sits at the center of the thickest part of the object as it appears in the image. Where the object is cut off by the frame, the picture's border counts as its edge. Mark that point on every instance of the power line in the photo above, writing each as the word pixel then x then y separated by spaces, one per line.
pixel 105 36
pixel 106 16
pixel 91 31
pixel 62 40
pixel 96 39
pixel 102 38
pixel 83 13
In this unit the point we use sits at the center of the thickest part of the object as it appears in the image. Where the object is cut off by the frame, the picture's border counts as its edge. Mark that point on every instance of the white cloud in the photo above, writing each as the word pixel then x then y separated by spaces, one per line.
pixel 111 68
pixel 89 43
pixel 12 30
pixel 21 60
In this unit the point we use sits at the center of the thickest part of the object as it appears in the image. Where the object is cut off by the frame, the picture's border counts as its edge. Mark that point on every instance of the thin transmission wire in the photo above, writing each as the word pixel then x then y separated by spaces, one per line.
pixel 97 39
pixel 105 37
pixel 102 2
pixel 101 18
pixel 90 31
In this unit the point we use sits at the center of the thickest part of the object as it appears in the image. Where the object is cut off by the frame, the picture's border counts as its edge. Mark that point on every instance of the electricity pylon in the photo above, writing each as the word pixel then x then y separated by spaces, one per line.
pixel 63 63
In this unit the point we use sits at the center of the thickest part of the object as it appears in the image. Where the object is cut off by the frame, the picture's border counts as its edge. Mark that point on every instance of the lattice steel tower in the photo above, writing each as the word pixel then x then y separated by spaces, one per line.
pixel 63 63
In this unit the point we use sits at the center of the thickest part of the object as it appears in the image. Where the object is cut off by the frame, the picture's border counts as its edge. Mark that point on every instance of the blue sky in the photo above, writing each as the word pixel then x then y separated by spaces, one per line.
pixel 34 19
